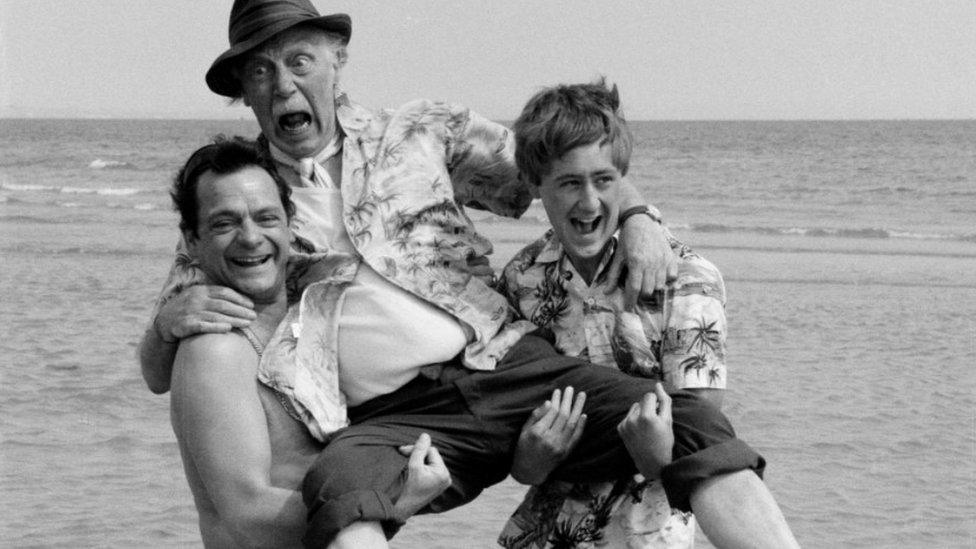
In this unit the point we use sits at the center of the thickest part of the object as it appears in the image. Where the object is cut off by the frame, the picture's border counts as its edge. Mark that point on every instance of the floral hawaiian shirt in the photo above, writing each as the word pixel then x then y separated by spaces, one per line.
pixel 677 337
pixel 407 176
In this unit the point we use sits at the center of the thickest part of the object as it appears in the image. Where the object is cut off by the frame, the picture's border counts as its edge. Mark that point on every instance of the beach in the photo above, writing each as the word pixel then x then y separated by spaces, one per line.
pixel 848 251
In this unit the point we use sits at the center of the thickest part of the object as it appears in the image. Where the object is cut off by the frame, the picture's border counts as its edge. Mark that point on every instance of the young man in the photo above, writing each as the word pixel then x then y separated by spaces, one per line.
pixel 574 147
pixel 399 333
pixel 243 453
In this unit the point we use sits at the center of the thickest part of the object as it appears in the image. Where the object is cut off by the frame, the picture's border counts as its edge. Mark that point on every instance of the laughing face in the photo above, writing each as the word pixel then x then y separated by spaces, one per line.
pixel 242 238
pixel 581 195
pixel 289 83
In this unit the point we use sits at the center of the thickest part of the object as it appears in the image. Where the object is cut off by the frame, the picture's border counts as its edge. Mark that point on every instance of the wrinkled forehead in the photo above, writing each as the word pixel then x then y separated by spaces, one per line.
pixel 302 37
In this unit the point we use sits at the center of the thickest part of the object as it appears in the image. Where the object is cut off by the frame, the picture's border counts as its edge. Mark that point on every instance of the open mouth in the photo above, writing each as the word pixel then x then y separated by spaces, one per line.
pixel 247 262
pixel 587 226
pixel 294 122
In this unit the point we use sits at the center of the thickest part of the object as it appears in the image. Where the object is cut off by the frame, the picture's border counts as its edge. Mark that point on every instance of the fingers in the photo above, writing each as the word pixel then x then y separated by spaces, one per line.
pixel 434 459
pixel 649 404
pixel 225 294
pixel 653 407
pixel 613 272
pixel 664 403
pixel 207 327
pixel 632 287
pixel 577 433
pixel 568 408
pixel 564 407
pixel 576 414
pixel 420 450
pixel 632 415
pixel 229 310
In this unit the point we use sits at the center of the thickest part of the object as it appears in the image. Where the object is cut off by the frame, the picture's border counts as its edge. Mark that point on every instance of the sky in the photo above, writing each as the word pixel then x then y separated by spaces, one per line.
pixel 675 60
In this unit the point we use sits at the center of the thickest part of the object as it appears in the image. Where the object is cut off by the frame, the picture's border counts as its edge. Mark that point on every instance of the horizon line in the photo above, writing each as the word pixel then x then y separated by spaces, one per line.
pixel 251 119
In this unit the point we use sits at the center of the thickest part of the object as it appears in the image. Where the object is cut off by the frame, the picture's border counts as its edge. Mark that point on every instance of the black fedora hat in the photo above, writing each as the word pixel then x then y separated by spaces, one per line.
pixel 252 22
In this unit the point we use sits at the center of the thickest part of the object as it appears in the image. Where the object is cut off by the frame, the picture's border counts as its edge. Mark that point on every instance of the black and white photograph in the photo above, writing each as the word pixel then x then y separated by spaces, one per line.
pixel 424 274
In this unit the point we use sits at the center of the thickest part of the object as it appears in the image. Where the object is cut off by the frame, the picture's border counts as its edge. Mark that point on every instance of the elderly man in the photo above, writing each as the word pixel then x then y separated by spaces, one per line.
pixel 400 334
pixel 243 454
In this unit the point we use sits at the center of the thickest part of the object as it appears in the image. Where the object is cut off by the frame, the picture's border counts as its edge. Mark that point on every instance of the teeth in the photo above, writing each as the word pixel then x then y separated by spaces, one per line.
pixel 586 226
pixel 250 261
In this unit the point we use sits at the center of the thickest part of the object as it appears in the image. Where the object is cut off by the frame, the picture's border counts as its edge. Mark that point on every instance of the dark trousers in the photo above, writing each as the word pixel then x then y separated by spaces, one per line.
pixel 474 420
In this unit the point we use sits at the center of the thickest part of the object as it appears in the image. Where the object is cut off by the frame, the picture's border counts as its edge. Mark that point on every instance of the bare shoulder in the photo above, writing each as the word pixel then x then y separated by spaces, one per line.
pixel 206 362
pixel 217 349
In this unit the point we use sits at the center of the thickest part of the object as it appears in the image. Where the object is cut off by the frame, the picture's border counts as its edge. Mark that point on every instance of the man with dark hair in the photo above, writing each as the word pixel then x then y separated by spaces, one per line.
pixel 243 451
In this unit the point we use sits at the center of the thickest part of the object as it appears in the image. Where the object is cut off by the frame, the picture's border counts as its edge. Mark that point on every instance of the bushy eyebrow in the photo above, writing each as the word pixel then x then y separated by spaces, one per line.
pixel 576 175
pixel 228 212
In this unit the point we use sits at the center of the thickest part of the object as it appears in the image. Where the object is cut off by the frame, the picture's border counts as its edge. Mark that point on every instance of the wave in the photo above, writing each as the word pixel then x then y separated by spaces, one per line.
pixel 861 233
pixel 106 251
pixel 103 191
pixel 99 164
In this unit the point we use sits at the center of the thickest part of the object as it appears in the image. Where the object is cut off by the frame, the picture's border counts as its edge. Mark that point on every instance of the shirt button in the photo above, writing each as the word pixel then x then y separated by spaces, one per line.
pixel 590 301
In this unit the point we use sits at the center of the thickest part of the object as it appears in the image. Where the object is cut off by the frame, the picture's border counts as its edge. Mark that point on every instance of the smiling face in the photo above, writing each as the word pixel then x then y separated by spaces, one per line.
pixel 581 195
pixel 289 83
pixel 242 234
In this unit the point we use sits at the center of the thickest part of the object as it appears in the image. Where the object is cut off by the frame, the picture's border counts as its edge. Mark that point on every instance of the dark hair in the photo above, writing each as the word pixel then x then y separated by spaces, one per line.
pixel 223 156
pixel 558 119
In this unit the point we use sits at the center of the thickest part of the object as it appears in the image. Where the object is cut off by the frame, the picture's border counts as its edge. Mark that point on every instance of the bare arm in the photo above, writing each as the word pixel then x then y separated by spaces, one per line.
pixel 196 310
pixel 646 253
pixel 220 424
pixel 156 360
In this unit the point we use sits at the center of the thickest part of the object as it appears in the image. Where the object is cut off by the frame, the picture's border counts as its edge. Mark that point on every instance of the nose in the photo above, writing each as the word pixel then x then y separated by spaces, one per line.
pixel 284 84
pixel 249 234
pixel 589 197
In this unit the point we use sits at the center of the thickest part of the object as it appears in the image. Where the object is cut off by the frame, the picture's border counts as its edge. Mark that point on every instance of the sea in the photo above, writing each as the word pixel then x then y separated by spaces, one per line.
pixel 848 249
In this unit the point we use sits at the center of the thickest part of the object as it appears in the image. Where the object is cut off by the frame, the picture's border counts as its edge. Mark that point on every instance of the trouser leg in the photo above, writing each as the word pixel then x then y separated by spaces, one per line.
pixel 360 473
pixel 705 442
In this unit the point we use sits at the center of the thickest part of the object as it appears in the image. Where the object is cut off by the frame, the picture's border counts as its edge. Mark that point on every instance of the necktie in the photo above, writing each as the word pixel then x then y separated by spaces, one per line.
pixel 311 170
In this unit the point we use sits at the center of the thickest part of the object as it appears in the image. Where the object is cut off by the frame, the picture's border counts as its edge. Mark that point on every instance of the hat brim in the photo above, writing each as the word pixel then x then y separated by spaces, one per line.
pixel 220 77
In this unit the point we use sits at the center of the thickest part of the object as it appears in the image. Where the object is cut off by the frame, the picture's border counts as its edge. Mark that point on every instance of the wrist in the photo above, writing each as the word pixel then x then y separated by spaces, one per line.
pixel 640 210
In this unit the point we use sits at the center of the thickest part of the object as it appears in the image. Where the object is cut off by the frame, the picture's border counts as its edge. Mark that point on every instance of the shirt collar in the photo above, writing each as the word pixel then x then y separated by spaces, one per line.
pixel 553 251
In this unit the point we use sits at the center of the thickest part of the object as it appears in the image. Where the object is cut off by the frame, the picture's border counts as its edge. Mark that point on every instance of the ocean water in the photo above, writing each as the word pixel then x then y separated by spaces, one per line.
pixel 849 251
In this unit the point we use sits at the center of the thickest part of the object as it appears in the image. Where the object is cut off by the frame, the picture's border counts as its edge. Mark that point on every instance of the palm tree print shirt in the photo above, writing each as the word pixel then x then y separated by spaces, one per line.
pixel 407 176
pixel 679 340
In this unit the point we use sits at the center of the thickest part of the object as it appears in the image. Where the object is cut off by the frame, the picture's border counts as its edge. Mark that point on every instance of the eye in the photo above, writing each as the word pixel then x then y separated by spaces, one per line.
pixel 301 63
pixel 256 72
pixel 269 220
pixel 221 225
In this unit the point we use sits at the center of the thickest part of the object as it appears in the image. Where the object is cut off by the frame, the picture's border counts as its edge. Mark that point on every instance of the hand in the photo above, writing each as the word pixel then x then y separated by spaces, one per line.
pixel 203 309
pixel 548 436
pixel 650 262
pixel 647 432
pixel 427 477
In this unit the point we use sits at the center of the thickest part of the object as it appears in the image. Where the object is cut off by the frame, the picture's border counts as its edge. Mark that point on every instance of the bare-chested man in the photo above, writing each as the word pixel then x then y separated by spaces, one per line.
pixel 244 454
